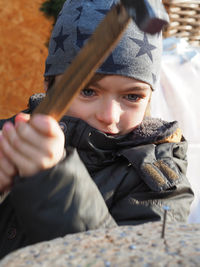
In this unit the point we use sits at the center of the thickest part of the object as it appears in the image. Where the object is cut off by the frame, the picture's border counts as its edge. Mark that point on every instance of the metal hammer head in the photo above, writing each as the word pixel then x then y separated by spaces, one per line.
pixel 149 15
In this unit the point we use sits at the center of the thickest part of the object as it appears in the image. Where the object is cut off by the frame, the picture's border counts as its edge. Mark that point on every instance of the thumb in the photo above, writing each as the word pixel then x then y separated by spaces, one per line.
pixel 21 117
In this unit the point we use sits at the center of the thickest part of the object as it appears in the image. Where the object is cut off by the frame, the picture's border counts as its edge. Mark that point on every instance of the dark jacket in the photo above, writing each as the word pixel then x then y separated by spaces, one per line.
pixel 103 181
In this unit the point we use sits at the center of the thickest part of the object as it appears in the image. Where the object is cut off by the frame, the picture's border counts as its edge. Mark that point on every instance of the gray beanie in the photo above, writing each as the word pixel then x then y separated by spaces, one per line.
pixel 137 55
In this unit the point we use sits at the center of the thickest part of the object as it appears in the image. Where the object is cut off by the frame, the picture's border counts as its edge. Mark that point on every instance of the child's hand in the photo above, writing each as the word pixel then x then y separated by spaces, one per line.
pixel 7 170
pixel 33 145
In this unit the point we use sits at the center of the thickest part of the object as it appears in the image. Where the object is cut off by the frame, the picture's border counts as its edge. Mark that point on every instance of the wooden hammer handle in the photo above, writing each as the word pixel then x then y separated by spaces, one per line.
pixel 79 73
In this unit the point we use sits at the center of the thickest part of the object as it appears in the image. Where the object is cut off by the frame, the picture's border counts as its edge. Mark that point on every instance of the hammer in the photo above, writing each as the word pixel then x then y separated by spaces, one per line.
pixel 149 15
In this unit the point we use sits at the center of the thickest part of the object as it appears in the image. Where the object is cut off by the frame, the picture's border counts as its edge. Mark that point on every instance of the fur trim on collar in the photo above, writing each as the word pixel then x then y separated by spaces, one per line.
pixel 35 100
pixel 153 130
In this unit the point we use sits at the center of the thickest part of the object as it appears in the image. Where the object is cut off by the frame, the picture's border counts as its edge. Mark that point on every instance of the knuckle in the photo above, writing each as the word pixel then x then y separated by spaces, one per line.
pixel 28 170
pixel 7 150
pixel 16 143
pixel 49 126
pixel 50 153
pixel 42 123
pixel 22 130
pixel 40 164
pixel 53 127
pixel 47 162
pixel 21 126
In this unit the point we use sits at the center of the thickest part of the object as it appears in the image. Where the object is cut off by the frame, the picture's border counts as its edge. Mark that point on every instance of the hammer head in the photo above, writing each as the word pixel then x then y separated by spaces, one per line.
pixel 149 15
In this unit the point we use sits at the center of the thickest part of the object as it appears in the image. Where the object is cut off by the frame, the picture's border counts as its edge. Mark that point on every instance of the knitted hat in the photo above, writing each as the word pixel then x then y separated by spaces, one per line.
pixel 137 55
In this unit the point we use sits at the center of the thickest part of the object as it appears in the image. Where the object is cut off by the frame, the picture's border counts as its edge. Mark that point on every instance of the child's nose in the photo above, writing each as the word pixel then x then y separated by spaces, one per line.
pixel 109 112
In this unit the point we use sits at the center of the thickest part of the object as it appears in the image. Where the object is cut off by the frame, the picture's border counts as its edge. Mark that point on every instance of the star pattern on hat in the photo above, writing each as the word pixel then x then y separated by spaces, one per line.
pixel 145 47
pixel 60 40
pixel 102 11
pixel 81 37
pixel 80 10
pixel 48 66
pixel 109 64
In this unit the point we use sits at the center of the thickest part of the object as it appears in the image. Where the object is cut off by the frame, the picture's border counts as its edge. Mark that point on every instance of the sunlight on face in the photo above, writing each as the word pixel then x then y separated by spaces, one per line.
pixel 114 105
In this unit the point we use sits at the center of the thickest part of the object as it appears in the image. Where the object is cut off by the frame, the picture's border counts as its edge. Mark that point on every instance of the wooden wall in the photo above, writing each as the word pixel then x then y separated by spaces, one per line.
pixel 24 30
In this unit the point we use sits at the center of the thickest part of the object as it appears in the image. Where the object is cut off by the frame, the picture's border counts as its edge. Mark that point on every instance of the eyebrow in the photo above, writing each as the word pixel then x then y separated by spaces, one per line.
pixel 130 89
pixel 136 88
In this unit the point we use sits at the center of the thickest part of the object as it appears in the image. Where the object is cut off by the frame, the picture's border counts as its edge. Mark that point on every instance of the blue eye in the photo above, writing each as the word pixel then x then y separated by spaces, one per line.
pixel 87 92
pixel 132 97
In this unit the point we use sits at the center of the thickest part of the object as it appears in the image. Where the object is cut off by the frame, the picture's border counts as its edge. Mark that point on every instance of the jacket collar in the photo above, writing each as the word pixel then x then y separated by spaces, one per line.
pixel 81 135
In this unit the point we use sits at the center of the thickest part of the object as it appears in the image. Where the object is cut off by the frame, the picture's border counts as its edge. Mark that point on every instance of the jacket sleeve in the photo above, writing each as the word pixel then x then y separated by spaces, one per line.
pixel 59 201
pixel 162 171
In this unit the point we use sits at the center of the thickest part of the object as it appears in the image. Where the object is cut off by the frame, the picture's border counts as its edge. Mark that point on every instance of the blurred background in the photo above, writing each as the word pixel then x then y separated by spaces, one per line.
pixel 25 28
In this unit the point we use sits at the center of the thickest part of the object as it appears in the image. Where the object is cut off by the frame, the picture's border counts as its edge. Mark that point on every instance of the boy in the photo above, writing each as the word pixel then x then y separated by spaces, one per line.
pixel 110 164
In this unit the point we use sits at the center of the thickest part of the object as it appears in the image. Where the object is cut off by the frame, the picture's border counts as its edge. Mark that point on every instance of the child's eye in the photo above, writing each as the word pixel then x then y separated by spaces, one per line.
pixel 132 97
pixel 87 92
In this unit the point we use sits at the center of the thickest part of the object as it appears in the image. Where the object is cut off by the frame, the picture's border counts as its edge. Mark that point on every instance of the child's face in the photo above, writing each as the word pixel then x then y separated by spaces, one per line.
pixel 114 105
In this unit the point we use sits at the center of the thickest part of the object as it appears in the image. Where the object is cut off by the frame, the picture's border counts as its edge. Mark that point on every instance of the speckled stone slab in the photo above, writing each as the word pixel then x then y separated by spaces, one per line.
pixel 121 246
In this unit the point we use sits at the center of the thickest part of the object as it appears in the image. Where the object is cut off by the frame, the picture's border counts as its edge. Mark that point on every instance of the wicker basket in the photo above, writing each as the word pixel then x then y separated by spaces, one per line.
pixel 184 20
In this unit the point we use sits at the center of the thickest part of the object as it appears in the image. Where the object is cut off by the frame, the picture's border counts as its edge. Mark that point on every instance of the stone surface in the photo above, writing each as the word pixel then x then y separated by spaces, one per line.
pixel 122 246
pixel 24 31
